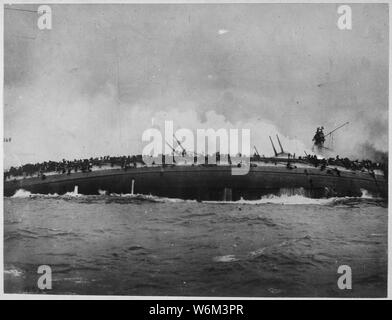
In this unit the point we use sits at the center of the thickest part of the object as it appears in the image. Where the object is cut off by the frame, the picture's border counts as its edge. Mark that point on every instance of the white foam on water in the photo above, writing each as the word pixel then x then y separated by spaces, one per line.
pixel 21 193
pixel 366 194
pixel 174 200
pixel 135 196
pixel 257 252
pixel 296 199
pixel 284 199
pixel 274 290
pixel 73 194
pixel 227 258
pixel 13 272
pixel 149 197
pixel 50 195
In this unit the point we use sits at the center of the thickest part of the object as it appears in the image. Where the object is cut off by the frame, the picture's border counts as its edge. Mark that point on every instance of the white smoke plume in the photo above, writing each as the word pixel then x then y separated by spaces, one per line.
pixel 93 84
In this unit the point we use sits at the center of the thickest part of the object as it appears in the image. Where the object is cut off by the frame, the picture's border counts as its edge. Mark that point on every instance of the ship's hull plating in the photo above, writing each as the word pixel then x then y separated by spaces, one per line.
pixel 207 182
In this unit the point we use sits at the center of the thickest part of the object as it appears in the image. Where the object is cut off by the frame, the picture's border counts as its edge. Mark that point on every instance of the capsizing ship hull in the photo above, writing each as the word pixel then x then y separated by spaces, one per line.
pixel 207 182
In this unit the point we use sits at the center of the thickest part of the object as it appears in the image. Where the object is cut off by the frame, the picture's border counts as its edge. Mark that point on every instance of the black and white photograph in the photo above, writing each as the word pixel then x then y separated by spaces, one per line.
pixel 204 149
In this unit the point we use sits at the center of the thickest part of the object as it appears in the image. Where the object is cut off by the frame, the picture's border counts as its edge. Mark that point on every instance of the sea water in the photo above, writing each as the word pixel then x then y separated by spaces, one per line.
pixel 144 245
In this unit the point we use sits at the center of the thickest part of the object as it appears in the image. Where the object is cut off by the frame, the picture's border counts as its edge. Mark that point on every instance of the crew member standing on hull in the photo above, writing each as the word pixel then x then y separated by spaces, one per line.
pixel 319 138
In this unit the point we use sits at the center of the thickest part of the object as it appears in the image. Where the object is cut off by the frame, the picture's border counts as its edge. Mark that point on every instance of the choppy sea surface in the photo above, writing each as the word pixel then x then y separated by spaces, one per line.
pixel 287 246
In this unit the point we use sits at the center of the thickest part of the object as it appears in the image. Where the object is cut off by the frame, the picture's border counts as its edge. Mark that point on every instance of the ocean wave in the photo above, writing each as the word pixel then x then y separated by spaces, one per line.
pixel 73 194
pixel 271 251
pixel 103 195
pixel 283 199
pixel 148 197
pixel 13 272
pixel 299 199
pixel 226 258
pixel 21 193
pixel 287 200
pixel 367 195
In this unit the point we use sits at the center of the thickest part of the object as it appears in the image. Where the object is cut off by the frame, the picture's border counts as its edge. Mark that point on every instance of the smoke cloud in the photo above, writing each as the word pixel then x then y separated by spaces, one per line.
pixel 105 73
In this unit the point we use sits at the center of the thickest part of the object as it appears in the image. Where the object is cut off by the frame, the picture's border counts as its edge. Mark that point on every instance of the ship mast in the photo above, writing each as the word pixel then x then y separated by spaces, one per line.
pixel 257 152
pixel 341 126
pixel 281 148
pixel 273 147
pixel 183 149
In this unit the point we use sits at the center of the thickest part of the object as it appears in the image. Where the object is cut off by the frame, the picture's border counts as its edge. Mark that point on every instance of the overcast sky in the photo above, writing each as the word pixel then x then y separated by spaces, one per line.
pixel 105 73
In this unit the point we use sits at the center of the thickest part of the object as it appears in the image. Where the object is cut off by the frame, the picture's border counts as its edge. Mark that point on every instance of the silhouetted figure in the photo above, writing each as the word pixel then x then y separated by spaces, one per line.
pixel 319 138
